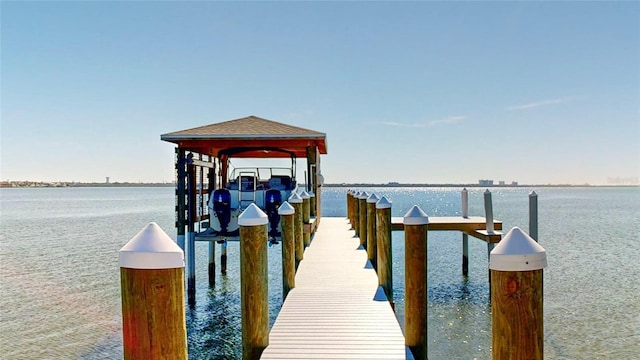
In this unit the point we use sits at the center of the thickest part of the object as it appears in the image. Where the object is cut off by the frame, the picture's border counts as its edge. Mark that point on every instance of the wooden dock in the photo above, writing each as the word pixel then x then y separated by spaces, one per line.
pixel 336 310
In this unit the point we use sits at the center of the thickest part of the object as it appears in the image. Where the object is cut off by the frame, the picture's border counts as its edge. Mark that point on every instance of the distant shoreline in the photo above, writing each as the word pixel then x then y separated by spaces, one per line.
pixel 36 184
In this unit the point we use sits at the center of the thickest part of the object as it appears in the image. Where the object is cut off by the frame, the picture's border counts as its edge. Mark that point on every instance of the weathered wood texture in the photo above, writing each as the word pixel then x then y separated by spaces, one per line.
pixel 297 230
pixel 288 254
pixel 254 291
pixel 385 259
pixel 415 270
pixel 356 215
pixel 153 315
pixel 517 317
pixel 362 222
pixel 372 246
pixel 336 310
pixel 472 225
pixel 306 217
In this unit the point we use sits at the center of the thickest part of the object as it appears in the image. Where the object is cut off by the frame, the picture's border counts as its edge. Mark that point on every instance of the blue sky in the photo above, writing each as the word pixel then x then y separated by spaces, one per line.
pixel 429 92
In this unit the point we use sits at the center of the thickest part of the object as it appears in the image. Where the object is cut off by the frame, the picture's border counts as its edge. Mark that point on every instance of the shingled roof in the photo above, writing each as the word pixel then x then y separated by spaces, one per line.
pixel 248 132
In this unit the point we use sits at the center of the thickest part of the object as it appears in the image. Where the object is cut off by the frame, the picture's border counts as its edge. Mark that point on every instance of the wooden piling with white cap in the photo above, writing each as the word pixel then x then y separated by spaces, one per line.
pixel 287 214
pixel 372 245
pixel 152 286
pixel 306 217
pixel 416 224
pixel 516 266
pixel 254 282
pixel 356 212
pixel 362 218
pixel 296 201
pixel 384 254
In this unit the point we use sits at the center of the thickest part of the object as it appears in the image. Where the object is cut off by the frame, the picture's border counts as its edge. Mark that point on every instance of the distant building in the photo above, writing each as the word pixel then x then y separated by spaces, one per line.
pixel 501 182
pixel 514 183
pixel 107 179
pixel 485 182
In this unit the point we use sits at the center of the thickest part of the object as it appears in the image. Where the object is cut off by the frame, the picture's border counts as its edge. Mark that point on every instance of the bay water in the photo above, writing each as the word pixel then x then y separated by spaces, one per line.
pixel 60 284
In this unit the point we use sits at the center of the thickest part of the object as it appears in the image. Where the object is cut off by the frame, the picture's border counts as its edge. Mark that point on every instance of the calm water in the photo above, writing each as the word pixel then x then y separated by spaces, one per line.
pixel 60 289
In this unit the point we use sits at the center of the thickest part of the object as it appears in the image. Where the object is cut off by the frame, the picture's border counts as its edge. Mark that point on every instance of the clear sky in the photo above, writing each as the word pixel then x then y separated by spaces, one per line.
pixel 427 92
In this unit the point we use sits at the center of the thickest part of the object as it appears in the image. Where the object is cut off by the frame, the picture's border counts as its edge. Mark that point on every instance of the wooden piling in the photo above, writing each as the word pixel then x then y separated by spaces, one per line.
pixel 372 245
pixel 212 263
pixel 488 211
pixel 384 254
pixel 517 297
pixel 533 215
pixel 465 236
pixel 254 282
pixel 362 219
pixel 287 214
pixel 191 233
pixel 312 203
pixel 306 216
pixel 350 207
pixel 296 201
pixel 223 257
pixel 415 268
pixel 356 212
pixel 152 287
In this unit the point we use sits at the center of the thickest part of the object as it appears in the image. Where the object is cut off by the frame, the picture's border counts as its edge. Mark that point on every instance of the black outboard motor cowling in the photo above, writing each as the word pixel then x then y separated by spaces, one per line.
pixel 273 200
pixel 222 208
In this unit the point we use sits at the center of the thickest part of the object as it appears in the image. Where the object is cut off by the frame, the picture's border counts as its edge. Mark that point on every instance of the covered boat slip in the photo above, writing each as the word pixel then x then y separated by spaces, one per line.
pixel 202 168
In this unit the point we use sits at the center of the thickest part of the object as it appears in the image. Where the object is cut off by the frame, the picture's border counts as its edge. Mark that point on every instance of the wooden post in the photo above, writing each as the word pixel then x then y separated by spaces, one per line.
pixel 362 218
pixel 533 215
pixel 516 298
pixel 384 256
pixel 296 201
pixel 372 245
pixel 306 217
pixel 465 236
pixel 349 209
pixel 416 225
pixel 223 257
pixel 254 284
pixel 152 286
pixel 212 263
pixel 191 233
pixel 181 174
pixel 488 210
pixel 287 214
pixel 312 203
pixel 356 212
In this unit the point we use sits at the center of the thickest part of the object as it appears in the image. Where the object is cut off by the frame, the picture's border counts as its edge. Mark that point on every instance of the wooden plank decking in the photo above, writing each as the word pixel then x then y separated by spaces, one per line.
pixel 336 310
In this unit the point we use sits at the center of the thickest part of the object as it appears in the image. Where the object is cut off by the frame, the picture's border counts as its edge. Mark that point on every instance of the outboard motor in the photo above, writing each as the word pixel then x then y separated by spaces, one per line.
pixel 222 208
pixel 273 199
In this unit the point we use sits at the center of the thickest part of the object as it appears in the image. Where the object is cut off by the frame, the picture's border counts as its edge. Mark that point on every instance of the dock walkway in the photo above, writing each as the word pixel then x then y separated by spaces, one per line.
pixel 336 310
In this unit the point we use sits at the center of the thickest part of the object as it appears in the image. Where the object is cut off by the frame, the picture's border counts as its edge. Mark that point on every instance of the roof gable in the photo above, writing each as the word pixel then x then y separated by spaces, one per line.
pixel 252 132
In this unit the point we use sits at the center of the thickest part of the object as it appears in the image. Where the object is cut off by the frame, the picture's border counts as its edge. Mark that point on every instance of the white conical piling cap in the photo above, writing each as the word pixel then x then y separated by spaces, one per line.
pixel 151 248
pixel 311 194
pixel 415 216
pixel 253 216
pixel 383 203
pixel 295 199
pixel 518 252
pixel 363 195
pixel 373 198
pixel 286 209
pixel 304 195
pixel 533 194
